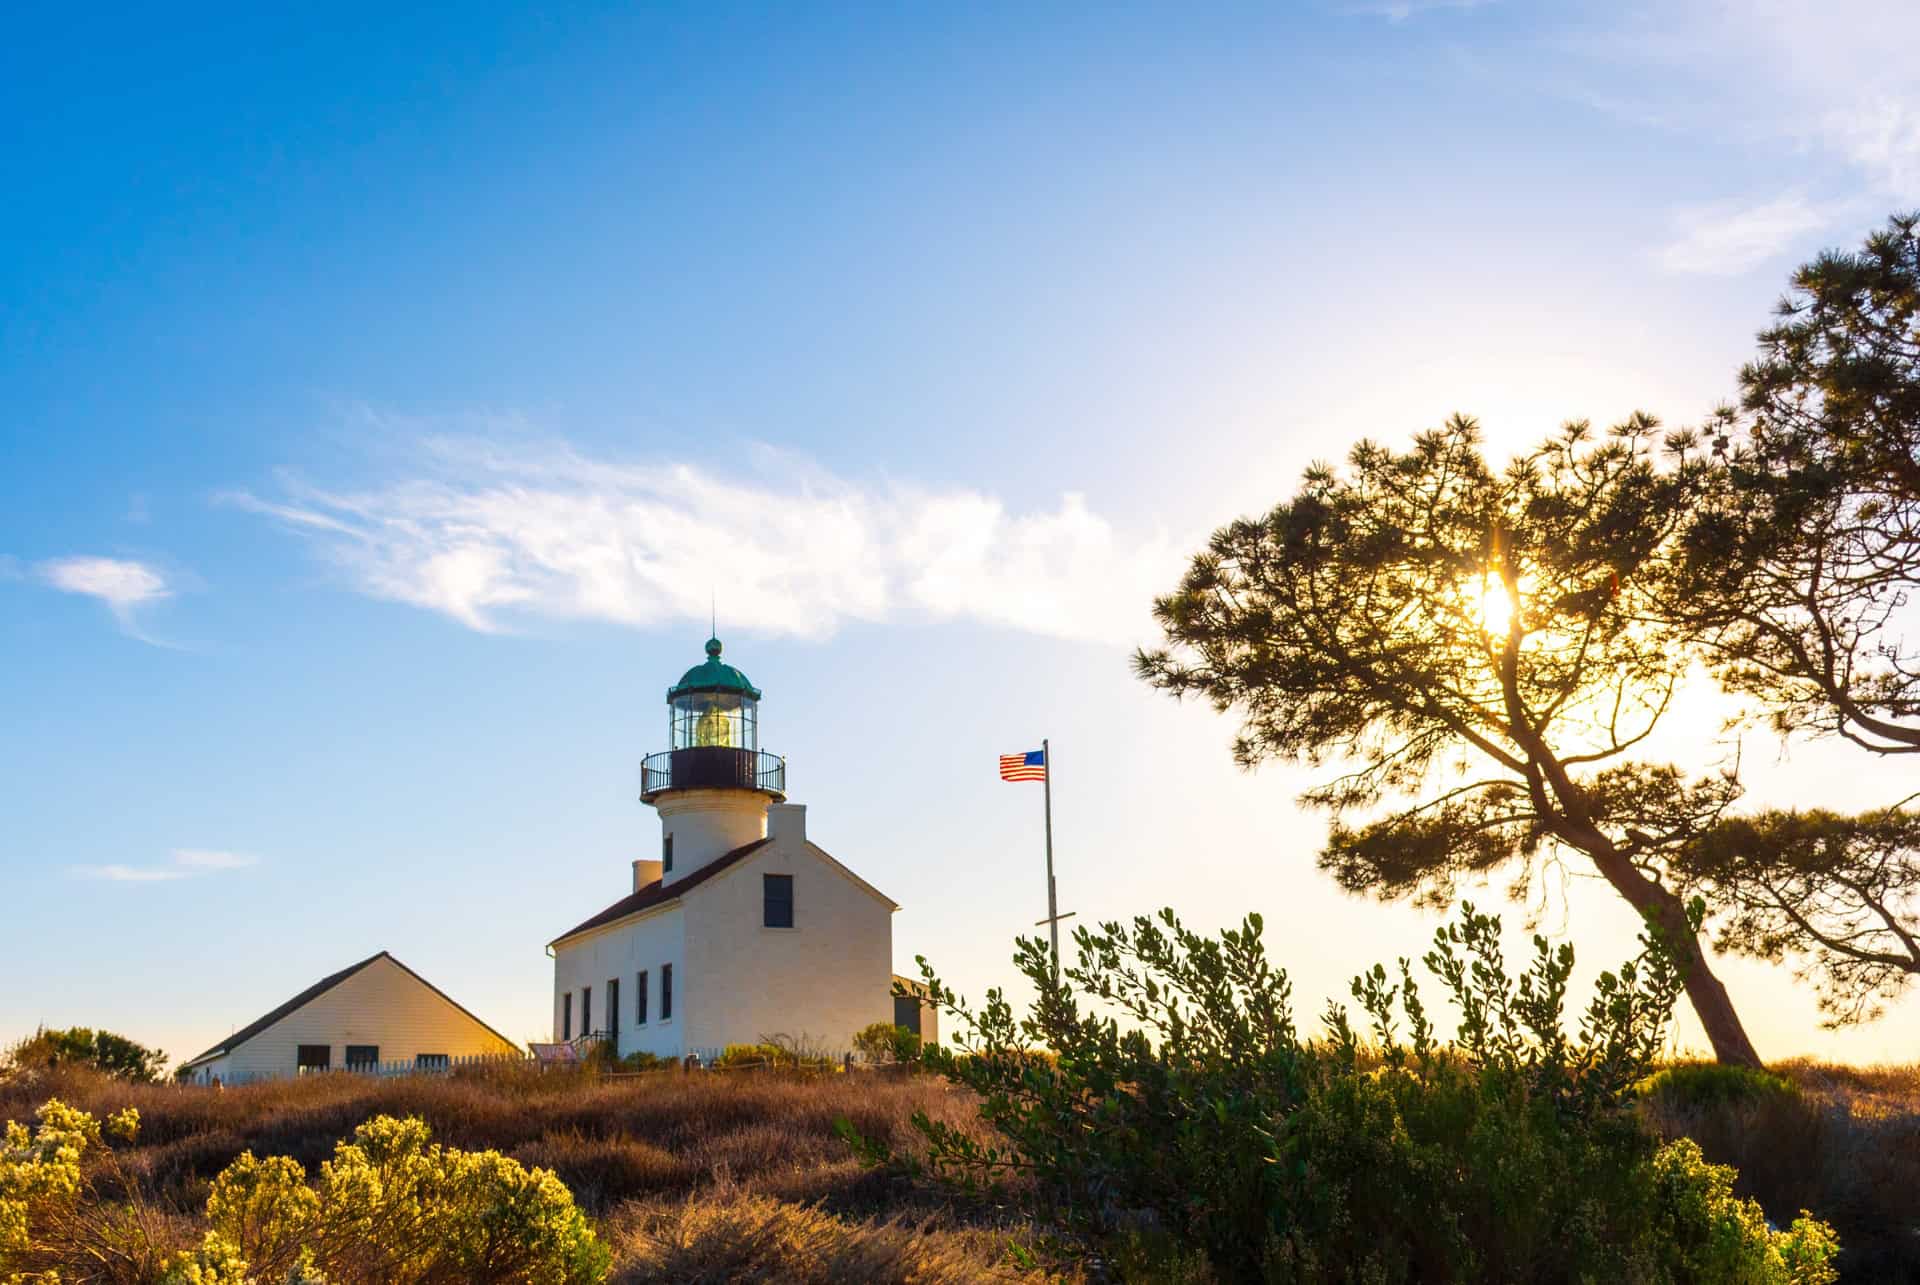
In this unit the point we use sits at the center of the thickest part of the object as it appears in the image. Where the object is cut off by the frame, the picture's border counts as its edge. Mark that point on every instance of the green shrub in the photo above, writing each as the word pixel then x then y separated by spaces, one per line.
pixel 1512 1153
pixel 776 1050
pixel 640 1060
pixel 393 1207
pixel 83 1046
pixel 885 1042
pixel 1706 1233
pixel 739 1055
pixel 601 1056
pixel 1716 1084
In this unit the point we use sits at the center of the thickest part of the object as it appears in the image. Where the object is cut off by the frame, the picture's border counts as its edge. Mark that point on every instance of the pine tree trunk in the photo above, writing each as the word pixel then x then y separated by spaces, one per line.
pixel 1704 991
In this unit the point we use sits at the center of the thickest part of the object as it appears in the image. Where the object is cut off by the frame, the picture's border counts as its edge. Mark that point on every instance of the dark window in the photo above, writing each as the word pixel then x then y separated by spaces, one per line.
pixel 314 1057
pixel 586 1010
pixel 906 1012
pixel 566 1016
pixel 666 854
pixel 640 998
pixel 362 1057
pixel 779 900
pixel 431 1061
pixel 666 992
pixel 613 1006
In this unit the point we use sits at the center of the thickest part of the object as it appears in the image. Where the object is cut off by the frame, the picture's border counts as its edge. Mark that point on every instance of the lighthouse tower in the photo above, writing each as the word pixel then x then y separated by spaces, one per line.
pixel 713 785
pixel 741 929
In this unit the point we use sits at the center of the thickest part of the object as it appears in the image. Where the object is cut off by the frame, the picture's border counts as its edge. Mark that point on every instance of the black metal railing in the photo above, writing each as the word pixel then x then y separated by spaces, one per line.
pixel 711 767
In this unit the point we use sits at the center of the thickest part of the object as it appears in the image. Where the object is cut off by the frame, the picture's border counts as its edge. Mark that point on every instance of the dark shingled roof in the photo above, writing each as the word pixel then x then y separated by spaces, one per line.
pixel 314 992
pixel 655 895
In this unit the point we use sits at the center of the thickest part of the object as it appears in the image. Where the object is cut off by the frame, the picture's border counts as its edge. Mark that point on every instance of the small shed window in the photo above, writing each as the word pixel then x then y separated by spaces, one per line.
pixel 613 1006
pixel 566 1016
pixel 778 911
pixel 431 1061
pixel 906 1012
pixel 313 1057
pixel 362 1057
pixel 666 992
pixel 640 998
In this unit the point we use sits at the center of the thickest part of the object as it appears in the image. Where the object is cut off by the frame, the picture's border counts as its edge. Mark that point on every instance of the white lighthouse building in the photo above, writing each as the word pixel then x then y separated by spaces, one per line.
pixel 741 928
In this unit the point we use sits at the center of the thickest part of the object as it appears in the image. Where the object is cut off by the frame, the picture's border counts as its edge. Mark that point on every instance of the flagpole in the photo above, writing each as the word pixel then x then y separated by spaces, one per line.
pixel 1053 906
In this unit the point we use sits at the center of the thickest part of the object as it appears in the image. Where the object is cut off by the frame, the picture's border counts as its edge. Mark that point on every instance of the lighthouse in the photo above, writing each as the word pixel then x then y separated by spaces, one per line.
pixel 739 928
pixel 713 785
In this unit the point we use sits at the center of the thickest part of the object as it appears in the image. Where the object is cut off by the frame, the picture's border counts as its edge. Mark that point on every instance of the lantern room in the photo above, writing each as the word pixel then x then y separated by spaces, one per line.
pixel 713 705
pixel 713 735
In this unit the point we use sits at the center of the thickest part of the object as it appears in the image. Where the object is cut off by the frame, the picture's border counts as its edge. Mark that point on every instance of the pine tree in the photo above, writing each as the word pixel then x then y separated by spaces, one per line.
pixel 1480 654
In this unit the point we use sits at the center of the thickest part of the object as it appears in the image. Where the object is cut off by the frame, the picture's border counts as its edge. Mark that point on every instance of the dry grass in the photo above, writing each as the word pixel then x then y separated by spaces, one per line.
pixel 740 1176
pixel 609 1140
pixel 716 1176
pixel 726 1234
pixel 1844 1142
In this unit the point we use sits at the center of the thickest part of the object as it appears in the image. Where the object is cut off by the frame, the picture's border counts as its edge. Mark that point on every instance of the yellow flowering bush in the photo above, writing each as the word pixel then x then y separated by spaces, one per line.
pixel 42 1186
pixel 394 1207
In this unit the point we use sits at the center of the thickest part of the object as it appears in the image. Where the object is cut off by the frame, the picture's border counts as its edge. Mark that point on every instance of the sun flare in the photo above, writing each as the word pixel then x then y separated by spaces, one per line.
pixel 1496 609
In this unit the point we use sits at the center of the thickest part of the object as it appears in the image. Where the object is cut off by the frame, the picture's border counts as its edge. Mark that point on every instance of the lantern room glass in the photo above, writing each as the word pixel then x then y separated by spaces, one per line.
pixel 728 720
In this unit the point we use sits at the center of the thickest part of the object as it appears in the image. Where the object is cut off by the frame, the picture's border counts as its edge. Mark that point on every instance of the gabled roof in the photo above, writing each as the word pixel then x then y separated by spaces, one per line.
pixel 314 992
pixel 655 894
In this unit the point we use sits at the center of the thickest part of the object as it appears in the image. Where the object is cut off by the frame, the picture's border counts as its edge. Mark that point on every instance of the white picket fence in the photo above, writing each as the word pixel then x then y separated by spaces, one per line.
pixel 436 1066
pixel 692 1060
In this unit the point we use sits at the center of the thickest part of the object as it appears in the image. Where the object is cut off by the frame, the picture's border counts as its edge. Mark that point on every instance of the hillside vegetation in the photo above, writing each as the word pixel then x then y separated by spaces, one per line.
pixel 741 1177
pixel 715 1176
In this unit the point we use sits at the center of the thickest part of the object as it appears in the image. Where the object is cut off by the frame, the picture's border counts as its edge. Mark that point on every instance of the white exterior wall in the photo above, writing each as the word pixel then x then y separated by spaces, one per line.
pixel 621 950
pixel 382 1004
pixel 219 1068
pixel 706 824
pixel 818 982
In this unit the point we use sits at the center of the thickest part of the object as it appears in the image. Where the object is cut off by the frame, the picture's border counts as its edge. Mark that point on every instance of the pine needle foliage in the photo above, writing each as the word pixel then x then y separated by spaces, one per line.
pixel 1835 895
pixel 1476 656
pixel 1805 552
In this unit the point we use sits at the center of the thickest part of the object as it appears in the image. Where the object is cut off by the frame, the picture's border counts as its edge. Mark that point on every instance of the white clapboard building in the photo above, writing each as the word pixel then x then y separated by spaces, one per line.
pixel 377 1014
pixel 742 929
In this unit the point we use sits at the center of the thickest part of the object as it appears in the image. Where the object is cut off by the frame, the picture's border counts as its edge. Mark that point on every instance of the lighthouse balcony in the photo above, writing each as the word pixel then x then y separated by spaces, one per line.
pixel 713 767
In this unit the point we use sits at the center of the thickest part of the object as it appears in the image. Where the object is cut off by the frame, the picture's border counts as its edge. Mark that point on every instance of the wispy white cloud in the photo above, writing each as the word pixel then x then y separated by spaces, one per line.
pixel 1730 237
pixel 129 874
pixel 123 585
pixel 492 537
pixel 1880 132
pixel 1783 84
pixel 203 859
pixel 120 584
pixel 187 863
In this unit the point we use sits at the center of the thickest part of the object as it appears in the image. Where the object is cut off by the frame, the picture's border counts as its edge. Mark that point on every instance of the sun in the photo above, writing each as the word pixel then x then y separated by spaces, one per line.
pixel 1496 609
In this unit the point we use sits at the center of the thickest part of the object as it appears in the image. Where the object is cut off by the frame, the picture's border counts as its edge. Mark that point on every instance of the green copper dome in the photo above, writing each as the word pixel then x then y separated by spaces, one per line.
pixel 713 675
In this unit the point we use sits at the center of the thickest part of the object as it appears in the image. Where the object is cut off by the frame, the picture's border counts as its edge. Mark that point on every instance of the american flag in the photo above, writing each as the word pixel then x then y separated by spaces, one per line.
pixel 1031 766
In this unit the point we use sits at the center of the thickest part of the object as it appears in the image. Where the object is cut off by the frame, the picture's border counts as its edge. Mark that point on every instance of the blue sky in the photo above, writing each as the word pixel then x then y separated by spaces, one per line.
pixel 384 396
